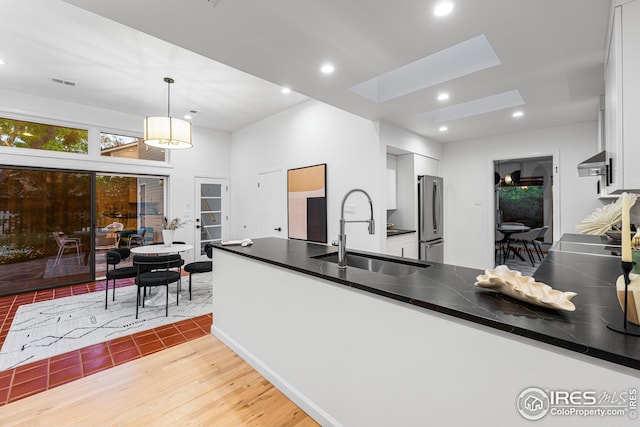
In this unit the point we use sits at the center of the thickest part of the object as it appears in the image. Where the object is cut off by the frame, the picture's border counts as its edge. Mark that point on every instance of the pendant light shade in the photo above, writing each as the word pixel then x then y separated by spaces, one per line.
pixel 167 132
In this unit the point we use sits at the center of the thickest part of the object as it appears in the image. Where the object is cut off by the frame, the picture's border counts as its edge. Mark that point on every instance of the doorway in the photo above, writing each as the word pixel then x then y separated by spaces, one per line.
pixel 125 205
pixel 211 202
pixel 524 192
pixel 271 221
pixel 524 196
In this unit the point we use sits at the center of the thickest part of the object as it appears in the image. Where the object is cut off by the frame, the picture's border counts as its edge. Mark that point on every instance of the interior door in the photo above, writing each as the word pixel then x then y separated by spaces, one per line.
pixel 271 221
pixel 211 219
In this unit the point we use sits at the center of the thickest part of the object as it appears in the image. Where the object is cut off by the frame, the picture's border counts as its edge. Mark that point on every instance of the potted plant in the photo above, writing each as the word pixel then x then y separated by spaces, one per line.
pixel 169 229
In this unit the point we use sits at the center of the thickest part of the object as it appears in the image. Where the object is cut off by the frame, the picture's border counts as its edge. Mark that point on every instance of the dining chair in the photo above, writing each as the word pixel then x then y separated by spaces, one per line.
pixel 137 238
pixel 114 257
pixel 540 238
pixel 500 246
pixel 200 266
pixel 64 242
pixel 156 271
pixel 524 237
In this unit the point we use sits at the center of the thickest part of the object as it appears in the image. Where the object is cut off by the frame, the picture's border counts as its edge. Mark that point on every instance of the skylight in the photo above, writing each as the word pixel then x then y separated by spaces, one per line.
pixel 487 104
pixel 467 57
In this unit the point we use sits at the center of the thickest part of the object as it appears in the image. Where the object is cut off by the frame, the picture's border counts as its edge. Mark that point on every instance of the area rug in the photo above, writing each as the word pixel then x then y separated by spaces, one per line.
pixel 45 329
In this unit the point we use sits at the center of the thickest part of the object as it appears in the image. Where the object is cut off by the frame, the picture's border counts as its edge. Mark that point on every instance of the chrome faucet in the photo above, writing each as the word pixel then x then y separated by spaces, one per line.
pixel 342 237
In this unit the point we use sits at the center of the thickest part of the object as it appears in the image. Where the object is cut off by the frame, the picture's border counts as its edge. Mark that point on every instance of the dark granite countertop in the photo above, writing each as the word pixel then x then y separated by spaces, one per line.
pixel 398 232
pixel 449 289
pixel 588 244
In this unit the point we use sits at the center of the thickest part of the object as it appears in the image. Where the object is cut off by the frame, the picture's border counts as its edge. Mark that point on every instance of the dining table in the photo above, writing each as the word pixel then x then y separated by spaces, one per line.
pixel 161 249
pixel 508 230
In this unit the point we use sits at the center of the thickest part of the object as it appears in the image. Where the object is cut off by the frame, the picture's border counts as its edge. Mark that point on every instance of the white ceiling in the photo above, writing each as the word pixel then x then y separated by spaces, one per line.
pixel 550 53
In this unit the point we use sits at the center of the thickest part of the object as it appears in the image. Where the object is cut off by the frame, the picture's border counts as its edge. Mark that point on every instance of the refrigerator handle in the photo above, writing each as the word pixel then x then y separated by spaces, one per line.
pixel 435 208
pixel 421 195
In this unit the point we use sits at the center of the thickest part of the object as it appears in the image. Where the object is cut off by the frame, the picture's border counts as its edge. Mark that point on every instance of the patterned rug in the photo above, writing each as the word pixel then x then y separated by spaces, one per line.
pixel 45 329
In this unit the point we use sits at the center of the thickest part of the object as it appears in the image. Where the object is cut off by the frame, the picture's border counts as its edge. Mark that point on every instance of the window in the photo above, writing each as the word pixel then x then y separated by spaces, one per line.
pixel 40 136
pixel 128 147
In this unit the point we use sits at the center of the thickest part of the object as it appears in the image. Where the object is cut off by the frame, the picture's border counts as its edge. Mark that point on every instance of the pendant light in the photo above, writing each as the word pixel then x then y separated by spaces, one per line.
pixel 167 132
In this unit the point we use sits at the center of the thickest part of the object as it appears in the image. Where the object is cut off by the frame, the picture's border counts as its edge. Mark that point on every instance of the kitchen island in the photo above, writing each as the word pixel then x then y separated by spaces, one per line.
pixel 356 347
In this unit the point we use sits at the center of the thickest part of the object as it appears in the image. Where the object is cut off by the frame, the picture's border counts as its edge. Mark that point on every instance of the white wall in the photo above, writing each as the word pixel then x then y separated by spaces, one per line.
pixel 409 142
pixel 416 155
pixel 468 171
pixel 208 158
pixel 308 134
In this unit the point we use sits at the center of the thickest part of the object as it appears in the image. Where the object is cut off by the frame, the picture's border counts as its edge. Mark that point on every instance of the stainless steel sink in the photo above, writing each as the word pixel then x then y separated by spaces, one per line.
pixel 376 264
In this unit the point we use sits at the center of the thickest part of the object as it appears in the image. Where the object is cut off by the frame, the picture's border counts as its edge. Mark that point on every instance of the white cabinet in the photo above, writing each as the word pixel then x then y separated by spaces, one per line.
pixel 392 186
pixel 403 245
pixel 622 98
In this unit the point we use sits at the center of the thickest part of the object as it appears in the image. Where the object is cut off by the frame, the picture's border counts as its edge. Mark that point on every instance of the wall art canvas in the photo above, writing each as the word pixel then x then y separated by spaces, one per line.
pixel 307 203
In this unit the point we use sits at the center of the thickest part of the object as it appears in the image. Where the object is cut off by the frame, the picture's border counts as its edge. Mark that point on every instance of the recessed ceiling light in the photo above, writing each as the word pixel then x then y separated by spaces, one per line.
pixel 443 129
pixel 285 90
pixel 1 62
pixel 187 117
pixel 518 114
pixel 443 96
pixel 443 8
pixel 327 69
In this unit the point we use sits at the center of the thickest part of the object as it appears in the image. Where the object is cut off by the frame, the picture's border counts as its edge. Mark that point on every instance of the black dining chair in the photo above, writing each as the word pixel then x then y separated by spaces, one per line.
pixel 157 271
pixel 200 266
pixel 114 257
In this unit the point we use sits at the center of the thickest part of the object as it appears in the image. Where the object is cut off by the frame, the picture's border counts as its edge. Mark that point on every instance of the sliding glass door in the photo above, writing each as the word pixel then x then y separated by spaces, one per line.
pixel 55 226
pixel 42 213
pixel 125 206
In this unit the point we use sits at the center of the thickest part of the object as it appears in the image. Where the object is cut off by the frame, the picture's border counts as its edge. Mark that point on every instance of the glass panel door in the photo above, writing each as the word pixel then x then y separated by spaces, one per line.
pixel 211 200
pixel 43 214
pixel 125 206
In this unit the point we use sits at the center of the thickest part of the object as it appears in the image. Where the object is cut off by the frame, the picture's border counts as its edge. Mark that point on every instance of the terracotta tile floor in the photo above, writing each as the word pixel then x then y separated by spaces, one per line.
pixel 42 375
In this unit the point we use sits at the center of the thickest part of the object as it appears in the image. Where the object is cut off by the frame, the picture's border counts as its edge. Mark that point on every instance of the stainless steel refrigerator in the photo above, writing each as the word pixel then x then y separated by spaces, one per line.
pixel 430 219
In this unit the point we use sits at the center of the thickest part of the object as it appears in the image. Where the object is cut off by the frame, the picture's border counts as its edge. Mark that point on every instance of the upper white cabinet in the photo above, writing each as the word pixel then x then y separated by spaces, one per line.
pixel 622 98
pixel 392 185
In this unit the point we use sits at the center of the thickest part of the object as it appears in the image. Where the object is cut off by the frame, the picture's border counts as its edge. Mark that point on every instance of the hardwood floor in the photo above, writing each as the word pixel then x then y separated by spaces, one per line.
pixel 198 383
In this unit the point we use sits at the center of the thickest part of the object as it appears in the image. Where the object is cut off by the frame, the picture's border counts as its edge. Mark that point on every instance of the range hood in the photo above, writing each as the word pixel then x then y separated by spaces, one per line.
pixel 594 166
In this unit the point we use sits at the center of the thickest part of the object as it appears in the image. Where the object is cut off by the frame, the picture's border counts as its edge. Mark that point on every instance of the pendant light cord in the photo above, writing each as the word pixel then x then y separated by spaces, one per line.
pixel 169 80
